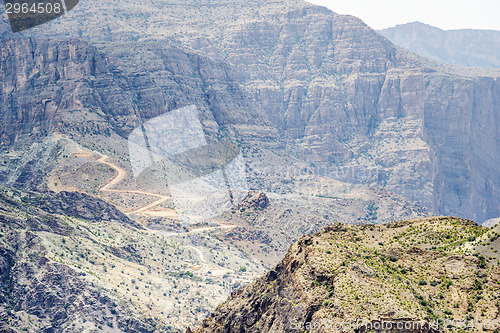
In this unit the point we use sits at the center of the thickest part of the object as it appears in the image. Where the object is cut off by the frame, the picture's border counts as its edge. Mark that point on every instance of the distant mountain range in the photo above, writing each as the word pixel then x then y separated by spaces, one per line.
pixel 464 47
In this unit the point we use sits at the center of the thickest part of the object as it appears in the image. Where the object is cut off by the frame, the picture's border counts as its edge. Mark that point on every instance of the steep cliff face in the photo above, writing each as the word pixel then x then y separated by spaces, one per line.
pixel 97 97
pixel 344 95
pixel 355 106
pixel 363 111
pixel 80 90
pixel 349 278
pixel 461 121
pixel 38 79
pixel 462 47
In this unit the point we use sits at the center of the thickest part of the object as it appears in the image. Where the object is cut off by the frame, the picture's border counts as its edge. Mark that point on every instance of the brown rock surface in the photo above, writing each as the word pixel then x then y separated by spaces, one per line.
pixel 373 273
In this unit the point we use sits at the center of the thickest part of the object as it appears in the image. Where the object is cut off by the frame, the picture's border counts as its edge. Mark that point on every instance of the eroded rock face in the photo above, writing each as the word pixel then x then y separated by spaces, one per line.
pixel 363 111
pixel 459 115
pixel 38 79
pixel 356 107
pixel 72 88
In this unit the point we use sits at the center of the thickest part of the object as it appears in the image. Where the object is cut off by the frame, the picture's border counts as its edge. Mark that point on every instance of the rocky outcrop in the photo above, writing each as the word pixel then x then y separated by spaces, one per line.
pixel 79 205
pixel 254 200
pixel 360 276
pixel 74 204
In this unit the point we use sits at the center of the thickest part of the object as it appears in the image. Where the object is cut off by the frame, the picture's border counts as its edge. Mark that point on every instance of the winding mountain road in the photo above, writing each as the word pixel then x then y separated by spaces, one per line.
pixel 119 177
pixel 121 174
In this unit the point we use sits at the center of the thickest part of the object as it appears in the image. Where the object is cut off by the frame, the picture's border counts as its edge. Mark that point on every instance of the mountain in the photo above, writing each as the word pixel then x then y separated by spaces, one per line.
pixel 325 88
pixel 41 293
pixel 72 262
pixel 461 47
pixel 407 272
pixel 335 124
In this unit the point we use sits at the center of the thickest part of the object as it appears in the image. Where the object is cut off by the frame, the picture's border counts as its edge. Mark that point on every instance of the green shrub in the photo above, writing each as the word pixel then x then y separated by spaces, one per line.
pixel 478 285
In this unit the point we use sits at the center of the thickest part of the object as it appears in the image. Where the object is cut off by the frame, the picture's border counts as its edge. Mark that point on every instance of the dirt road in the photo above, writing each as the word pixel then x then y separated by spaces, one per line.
pixel 119 177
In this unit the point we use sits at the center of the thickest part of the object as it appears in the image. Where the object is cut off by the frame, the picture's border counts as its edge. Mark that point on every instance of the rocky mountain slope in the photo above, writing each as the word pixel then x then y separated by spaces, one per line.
pixel 335 124
pixel 421 270
pixel 40 294
pixel 342 98
pixel 73 263
pixel 462 47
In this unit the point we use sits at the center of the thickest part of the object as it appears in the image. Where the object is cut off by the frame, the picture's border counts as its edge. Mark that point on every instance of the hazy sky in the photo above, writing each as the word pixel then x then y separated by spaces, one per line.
pixel 445 14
